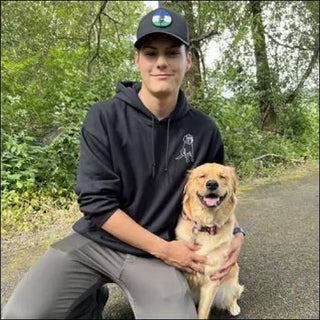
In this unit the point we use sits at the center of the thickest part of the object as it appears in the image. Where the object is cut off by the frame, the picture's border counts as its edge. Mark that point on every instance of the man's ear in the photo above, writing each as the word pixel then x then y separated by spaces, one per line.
pixel 189 60
pixel 136 59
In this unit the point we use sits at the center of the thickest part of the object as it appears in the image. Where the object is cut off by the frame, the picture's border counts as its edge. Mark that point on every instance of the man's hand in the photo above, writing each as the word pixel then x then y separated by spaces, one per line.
pixel 232 256
pixel 181 254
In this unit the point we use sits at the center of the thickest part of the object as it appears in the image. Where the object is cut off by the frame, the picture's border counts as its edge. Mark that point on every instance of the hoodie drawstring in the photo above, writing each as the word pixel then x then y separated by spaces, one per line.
pixel 167 149
pixel 167 146
pixel 153 151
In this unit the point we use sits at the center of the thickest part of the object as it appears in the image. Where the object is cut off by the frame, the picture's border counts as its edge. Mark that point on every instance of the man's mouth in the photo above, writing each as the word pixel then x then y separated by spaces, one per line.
pixel 211 200
pixel 161 75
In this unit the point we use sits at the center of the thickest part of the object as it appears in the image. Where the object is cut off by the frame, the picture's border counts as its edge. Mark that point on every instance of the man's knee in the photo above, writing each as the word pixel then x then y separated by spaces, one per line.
pixel 171 293
pixel 164 303
pixel 151 285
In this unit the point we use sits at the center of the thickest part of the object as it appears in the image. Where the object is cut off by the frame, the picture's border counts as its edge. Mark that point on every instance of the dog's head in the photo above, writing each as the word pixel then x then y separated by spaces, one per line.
pixel 188 139
pixel 210 186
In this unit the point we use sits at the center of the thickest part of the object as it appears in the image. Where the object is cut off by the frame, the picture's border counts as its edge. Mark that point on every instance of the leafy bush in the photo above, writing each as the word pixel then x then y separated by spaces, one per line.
pixel 257 153
pixel 47 89
pixel 300 124
pixel 35 178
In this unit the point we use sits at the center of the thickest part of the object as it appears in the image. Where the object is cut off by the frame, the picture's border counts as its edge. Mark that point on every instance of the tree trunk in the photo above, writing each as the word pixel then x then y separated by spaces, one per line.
pixel 266 105
pixel 193 80
pixel 192 84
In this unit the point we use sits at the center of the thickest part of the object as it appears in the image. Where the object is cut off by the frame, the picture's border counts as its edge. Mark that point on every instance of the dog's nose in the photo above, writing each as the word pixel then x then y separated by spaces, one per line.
pixel 212 185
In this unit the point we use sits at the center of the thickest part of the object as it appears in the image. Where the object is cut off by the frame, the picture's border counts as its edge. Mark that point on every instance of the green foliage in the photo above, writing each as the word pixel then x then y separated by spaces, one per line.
pixel 299 122
pixel 30 167
pixel 45 60
pixel 37 178
pixel 256 153
pixel 46 92
pixel 33 211
pixel 53 70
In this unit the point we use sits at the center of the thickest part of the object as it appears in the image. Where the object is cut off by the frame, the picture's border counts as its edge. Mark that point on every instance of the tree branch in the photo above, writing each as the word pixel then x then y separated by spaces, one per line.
pixel 286 45
pixel 205 36
pixel 71 38
pixel 96 25
pixel 272 155
pixel 313 61
pixel 203 68
pixel 115 23
pixel 267 155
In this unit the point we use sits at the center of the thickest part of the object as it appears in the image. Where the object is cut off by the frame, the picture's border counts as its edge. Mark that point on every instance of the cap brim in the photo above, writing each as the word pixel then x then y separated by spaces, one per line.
pixel 139 42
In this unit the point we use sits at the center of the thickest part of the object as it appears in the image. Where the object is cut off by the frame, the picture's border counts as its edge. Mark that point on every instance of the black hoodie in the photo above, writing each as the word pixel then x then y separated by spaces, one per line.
pixel 130 160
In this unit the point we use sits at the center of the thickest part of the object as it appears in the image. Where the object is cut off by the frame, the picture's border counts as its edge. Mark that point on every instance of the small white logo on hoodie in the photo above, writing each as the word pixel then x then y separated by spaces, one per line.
pixel 187 149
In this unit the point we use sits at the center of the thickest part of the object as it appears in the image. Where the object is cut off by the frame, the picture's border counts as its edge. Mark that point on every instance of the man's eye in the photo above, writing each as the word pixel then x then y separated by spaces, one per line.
pixel 150 54
pixel 174 53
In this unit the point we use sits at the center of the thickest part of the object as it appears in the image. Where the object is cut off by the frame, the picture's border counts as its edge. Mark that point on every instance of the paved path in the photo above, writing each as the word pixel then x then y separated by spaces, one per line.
pixel 280 259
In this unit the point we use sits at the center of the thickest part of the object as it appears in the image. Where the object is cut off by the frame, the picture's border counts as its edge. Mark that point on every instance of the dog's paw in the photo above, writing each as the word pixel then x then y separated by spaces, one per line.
pixel 234 309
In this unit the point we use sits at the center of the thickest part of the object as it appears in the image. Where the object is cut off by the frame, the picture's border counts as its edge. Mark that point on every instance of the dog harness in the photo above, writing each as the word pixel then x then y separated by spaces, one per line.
pixel 211 229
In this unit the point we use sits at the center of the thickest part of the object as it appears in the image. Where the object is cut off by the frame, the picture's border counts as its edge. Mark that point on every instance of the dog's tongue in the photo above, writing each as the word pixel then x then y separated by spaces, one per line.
pixel 211 202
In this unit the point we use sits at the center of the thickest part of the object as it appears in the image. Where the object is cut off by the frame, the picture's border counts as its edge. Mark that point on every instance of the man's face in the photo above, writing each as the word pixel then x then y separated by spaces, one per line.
pixel 162 62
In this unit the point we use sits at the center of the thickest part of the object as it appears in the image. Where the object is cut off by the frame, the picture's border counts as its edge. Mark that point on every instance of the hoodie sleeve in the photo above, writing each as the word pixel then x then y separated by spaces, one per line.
pixel 98 186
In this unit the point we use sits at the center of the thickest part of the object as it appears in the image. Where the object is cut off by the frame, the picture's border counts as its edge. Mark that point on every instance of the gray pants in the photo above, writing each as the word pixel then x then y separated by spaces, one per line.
pixel 64 282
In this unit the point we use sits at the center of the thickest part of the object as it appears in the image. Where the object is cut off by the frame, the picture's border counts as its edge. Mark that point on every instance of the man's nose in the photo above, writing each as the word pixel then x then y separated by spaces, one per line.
pixel 161 61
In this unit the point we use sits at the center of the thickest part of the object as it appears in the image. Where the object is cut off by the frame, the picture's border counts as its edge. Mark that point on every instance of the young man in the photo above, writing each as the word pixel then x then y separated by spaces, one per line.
pixel 135 153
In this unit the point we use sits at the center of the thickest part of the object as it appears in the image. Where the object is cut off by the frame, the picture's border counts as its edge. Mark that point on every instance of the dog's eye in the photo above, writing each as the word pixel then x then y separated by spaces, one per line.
pixel 202 176
pixel 222 176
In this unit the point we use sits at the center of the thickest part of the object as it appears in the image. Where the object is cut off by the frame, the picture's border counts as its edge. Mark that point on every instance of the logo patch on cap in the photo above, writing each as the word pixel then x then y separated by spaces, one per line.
pixel 161 18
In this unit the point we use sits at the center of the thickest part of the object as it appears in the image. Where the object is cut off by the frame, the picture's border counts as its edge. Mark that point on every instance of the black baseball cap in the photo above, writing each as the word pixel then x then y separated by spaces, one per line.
pixel 165 21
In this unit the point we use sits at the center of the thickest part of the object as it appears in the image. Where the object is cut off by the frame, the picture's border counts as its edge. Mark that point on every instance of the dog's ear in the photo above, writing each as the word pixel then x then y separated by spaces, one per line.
pixel 234 179
pixel 187 179
pixel 186 196
pixel 186 201
pixel 185 190
pixel 189 173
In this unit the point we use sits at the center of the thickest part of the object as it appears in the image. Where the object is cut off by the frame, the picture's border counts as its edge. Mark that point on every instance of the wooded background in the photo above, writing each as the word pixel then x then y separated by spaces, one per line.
pixel 58 58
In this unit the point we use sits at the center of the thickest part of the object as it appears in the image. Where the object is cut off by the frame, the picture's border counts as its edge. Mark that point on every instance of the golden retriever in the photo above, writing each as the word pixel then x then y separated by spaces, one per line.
pixel 208 219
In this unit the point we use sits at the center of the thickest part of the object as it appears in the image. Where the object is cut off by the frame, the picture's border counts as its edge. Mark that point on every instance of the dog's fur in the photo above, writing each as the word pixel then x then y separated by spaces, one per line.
pixel 199 208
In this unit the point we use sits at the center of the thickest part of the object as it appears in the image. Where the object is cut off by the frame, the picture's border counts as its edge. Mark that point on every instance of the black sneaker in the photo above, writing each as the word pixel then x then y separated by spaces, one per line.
pixel 102 298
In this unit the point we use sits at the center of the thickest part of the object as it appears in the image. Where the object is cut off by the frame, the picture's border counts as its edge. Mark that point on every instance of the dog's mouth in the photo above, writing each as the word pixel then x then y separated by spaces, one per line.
pixel 211 200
